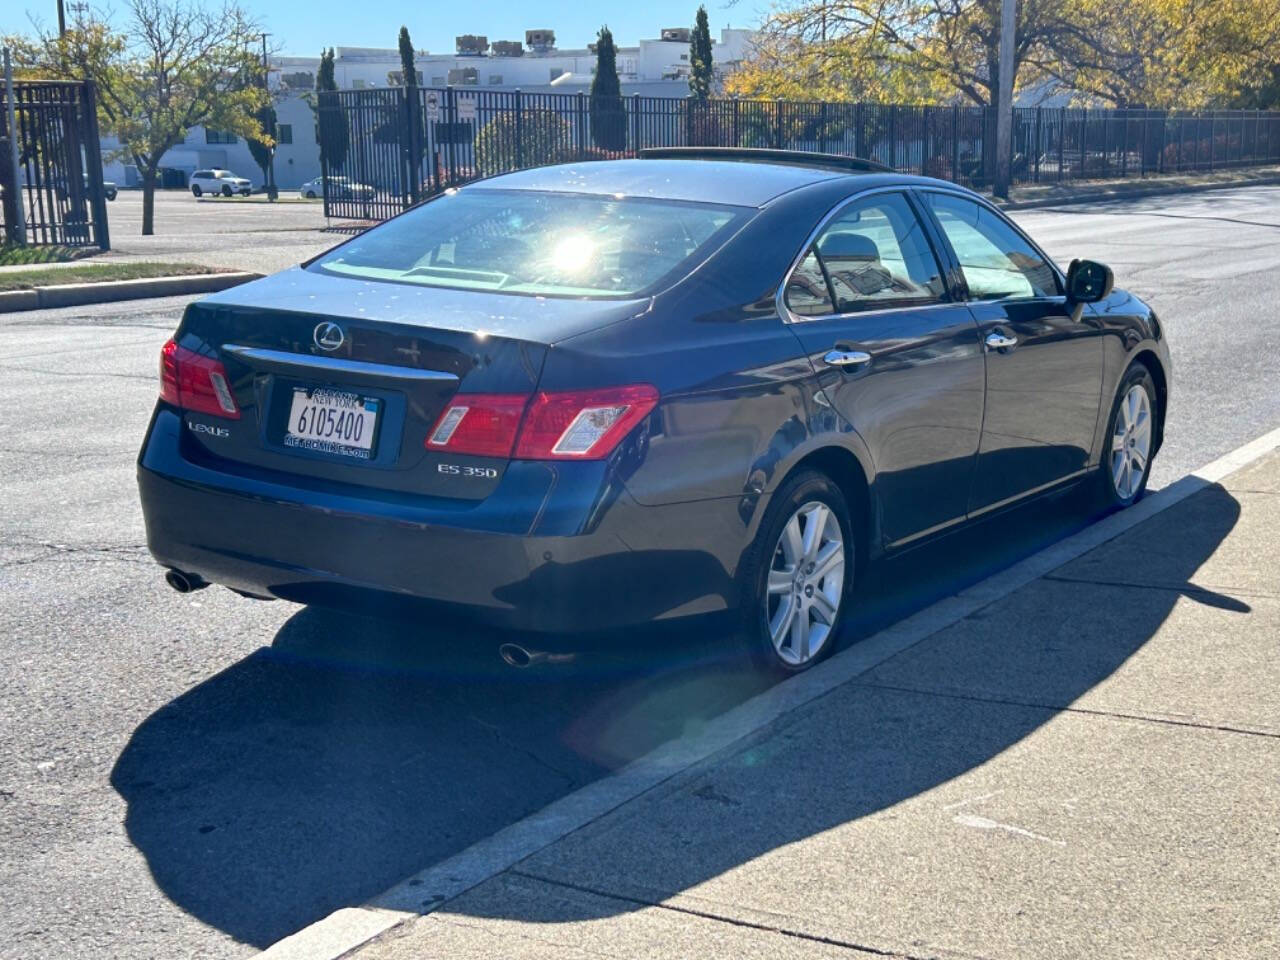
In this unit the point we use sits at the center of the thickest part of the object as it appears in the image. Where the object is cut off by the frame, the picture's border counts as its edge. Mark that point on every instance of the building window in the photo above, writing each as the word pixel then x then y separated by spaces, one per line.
pixel 357 83
pixel 437 81
pixel 495 79
pixel 217 136
pixel 284 133
pixel 555 72
pixel 684 56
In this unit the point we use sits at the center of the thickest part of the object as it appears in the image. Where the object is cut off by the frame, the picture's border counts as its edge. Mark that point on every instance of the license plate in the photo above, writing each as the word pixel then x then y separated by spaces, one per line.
pixel 332 421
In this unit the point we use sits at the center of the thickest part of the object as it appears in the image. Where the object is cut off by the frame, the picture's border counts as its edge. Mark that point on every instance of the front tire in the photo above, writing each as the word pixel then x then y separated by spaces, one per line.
pixel 799 577
pixel 311 194
pixel 1130 439
pixel 226 191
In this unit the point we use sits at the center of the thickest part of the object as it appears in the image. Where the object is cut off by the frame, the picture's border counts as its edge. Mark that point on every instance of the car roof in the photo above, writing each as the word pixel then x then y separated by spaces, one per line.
pixel 751 183
pixel 709 181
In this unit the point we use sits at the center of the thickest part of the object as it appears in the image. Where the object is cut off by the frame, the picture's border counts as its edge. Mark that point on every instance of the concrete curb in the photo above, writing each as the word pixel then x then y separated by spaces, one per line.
pixel 347 929
pixel 79 294
pixel 1155 189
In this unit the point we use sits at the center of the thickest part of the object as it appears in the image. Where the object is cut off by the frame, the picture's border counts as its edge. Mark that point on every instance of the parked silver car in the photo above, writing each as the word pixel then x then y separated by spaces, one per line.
pixel 340 188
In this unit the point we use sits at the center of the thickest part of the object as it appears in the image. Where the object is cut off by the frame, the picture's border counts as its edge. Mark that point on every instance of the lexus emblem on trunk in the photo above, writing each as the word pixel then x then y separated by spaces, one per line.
pixel 328 335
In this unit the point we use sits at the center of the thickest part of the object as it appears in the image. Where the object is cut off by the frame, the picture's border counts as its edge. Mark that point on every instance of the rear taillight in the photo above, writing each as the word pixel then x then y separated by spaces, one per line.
pixel 481 424
pixel 582 424
pixel 566 425
pixel 194 382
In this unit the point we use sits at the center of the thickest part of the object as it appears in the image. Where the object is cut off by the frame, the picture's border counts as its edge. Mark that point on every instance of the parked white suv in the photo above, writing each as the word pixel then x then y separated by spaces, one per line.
pixel 219 182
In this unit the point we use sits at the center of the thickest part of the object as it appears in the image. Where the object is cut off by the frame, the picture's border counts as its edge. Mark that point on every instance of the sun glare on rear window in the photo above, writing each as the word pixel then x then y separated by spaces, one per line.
pixel 529 242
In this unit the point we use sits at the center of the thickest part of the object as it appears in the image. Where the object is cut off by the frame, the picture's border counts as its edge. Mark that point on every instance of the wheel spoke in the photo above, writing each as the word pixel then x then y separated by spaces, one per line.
pixel 800 635
pixel 828 558
pixel 780 581
pixel 1140 460
pixel 781 624
pixel 815 523
pixel 1117 442
pixel 823 608
pixel 792 542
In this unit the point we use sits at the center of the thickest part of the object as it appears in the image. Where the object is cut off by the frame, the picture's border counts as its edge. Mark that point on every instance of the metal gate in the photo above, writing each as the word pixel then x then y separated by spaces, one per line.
pixel 55 194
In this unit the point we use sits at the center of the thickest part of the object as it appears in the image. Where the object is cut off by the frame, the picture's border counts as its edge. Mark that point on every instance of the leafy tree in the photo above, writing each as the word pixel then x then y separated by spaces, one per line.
pixel 608 119
pixel 334 131
pixel 701 74
pixel 176 65
pixel 544 137
pixel 1155 53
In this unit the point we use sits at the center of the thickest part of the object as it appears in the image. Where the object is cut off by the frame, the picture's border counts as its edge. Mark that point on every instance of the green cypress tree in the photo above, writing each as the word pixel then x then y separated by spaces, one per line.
pixel 408 72
pixel 333 120
pixel 608 121
pixel 700 69
pixel 417 146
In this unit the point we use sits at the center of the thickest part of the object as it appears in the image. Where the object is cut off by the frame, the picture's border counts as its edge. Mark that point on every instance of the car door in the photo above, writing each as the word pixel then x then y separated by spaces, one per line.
pixel 1044 365
pixel 897 356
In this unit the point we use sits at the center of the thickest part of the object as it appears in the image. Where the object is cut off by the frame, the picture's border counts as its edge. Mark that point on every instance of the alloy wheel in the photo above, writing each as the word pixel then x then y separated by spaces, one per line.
pixel 806 584
pixel 1131 442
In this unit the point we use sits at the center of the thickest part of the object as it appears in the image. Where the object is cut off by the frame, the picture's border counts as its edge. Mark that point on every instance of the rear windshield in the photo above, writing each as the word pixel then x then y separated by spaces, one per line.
pixel 532 242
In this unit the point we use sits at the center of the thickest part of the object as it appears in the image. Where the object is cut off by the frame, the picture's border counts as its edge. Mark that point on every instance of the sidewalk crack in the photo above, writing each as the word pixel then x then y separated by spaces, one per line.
pixel 746 924
pixel 1061 708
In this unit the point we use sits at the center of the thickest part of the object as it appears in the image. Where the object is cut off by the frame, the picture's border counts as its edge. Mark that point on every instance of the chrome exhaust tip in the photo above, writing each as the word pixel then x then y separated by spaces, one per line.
pixel 515 655
pixel 184 582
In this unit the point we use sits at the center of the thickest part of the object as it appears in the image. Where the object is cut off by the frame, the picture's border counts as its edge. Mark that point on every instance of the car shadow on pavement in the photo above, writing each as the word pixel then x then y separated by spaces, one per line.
pixel 355 751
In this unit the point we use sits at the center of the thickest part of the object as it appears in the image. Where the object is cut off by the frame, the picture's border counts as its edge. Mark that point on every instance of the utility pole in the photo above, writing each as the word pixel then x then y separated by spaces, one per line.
pixel 62 20
pixel 1004 98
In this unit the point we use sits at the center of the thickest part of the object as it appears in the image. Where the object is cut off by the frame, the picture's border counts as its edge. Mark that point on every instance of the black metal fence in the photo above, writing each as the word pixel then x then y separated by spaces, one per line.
pixel 383 150
pixel 55 194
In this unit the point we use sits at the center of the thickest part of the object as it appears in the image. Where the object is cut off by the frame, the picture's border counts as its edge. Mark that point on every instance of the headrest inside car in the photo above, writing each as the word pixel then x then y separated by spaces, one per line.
pixel 848 246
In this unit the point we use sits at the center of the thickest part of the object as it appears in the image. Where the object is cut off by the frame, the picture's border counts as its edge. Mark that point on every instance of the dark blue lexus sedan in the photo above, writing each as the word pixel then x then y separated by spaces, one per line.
pixel 581 397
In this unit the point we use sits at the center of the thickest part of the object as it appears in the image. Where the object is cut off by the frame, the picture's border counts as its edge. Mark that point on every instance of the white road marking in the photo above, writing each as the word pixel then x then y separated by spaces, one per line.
pixel 347 929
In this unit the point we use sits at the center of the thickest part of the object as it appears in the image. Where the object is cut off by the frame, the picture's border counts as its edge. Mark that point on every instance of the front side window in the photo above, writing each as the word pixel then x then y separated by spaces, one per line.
pixel 537 242
pixel 877 256
pixel 997 261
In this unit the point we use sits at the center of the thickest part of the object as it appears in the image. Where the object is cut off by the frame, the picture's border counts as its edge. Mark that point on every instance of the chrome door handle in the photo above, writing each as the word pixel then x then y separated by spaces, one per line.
pixel 998 341
pixel 846 358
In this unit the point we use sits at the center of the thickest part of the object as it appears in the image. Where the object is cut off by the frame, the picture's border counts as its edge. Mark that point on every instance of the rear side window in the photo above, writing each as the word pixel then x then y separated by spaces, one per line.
pixel 535 242
pixel 873 256
pixel 807 292
pixel 997 262
pixel 877 256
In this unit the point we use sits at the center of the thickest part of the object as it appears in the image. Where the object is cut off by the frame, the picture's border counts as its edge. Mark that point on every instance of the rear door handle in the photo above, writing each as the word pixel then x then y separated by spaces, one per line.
pixel 999 341
pixel 846 358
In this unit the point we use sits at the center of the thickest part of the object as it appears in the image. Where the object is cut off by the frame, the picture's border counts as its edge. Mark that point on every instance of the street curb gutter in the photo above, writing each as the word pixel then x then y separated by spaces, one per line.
pixel 346 930
pixel 79 294
pixel 1155 190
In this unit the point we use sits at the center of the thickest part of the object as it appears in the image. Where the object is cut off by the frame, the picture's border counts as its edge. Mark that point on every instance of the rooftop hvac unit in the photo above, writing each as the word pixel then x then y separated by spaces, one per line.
pixel 540 40
pixel 508 48
pixel 470 45
pixel 676 34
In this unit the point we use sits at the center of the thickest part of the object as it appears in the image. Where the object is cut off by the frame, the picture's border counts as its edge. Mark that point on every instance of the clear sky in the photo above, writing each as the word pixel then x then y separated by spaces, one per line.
pixel 305 26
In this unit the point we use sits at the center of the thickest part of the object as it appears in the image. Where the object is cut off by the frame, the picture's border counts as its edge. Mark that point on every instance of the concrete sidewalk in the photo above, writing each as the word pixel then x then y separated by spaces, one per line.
pixel 1088 767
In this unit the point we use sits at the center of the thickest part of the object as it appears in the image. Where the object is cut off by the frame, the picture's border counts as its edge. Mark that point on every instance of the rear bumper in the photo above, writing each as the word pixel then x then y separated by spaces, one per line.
pixel 552 549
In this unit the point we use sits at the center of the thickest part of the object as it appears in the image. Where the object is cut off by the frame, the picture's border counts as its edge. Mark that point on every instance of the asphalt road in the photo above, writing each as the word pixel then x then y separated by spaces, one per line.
pixel 201 775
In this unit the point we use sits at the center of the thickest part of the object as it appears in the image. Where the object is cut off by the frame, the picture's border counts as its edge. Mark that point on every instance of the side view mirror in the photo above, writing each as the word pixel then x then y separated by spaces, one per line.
pixel 1089 282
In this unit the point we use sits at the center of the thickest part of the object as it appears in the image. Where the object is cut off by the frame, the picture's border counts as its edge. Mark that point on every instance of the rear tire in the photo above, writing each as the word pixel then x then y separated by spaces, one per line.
pixel 798 579
pixel 195 190
pixel 1129 443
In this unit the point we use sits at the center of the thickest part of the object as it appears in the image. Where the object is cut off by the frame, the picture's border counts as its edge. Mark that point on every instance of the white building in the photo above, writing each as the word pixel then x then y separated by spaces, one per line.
pixel 655 68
